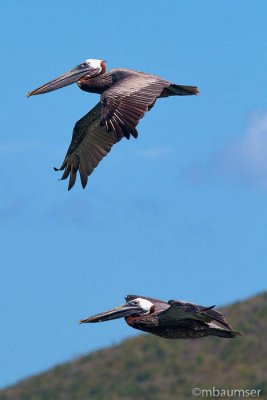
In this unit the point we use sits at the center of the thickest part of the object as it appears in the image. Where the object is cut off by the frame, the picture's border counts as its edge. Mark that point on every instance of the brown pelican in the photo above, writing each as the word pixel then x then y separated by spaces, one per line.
pixel 125 97
pixel 172 320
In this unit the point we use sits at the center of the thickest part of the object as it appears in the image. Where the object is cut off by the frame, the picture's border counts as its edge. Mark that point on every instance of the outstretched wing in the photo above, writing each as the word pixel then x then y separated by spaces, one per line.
pixel 90 143
pixel 180 310
pixel 116 116
pixel 126 102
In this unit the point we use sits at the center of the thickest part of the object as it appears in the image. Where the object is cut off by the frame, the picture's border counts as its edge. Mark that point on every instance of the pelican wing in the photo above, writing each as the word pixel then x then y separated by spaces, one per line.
pixel 90 143
pixel 180 310
pixel 126 102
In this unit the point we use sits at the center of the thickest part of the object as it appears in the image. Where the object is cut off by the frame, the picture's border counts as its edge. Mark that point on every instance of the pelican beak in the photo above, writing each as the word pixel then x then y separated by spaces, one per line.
pixel 66 79
pixel 122 311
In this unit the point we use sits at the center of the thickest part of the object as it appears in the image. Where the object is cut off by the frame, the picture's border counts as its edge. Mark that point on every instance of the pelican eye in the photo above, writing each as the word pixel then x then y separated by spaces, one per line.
pixel 82 65
pixel 134 303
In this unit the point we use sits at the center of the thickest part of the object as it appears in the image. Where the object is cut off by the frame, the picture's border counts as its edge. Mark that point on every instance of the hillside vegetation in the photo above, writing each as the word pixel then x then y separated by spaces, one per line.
pixel 152 368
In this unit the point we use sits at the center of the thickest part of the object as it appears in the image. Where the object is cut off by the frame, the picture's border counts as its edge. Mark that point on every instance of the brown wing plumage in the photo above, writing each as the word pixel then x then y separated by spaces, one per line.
pixel 182 310
pixel 116 116
pixel 90 143
pixel 126 102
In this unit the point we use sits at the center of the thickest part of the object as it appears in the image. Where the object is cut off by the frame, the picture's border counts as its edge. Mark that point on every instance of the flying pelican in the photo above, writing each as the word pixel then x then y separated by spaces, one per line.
pixel 172 320
pixel 125 97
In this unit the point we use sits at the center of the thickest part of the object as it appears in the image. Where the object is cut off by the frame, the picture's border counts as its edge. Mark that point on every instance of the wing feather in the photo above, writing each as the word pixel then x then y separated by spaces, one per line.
pixel 90 143
pixel 180 310
pixel 116 116
pixel 126 102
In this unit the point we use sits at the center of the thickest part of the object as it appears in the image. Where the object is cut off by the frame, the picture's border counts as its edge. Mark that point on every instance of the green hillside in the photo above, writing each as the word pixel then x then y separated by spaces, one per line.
pixel 152 368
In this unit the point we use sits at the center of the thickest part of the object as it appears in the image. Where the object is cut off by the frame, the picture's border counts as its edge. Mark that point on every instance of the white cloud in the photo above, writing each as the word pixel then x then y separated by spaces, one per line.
pixel 154 152
pixel 243 159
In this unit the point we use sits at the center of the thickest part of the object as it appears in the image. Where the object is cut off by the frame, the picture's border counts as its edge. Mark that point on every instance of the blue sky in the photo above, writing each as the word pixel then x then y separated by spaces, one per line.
pixel 179 213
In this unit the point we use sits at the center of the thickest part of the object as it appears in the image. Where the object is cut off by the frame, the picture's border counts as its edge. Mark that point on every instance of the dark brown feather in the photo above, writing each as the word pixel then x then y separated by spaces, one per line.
pixel 185 310
pixel 125 97
pixel 90 143
pixel 129 99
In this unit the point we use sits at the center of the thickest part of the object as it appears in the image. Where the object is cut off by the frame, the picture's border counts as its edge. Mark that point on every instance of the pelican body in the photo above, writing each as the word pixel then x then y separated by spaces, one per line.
pixel 171 320
pixel 126 95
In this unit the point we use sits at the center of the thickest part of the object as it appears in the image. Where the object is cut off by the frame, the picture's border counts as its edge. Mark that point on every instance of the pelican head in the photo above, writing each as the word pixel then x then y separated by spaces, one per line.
pixel 137 306
pixel 89 68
